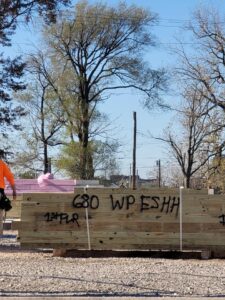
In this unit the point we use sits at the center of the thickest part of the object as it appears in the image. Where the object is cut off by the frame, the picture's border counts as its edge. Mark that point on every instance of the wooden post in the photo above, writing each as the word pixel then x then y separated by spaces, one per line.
pixel 134 152
pixel 181 218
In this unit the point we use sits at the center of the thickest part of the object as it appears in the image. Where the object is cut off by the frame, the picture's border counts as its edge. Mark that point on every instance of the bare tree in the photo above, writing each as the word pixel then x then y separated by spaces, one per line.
pixel 63 106
pixel 201 130
pixel 203 67
pixel 101 48
pixel 207 65
pixel 46 119
pixel 12 69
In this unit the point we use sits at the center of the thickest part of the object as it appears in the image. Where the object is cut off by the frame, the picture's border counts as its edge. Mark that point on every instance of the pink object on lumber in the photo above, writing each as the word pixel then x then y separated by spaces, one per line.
pixel 43 179
pixel 46 185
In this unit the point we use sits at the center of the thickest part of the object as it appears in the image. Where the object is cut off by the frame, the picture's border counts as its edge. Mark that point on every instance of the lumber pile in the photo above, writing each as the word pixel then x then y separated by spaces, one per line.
pixel 116 219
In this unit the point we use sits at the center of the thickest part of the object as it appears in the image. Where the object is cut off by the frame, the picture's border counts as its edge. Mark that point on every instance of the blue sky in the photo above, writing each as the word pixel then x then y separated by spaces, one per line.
pixel 120 107
pixel 173 14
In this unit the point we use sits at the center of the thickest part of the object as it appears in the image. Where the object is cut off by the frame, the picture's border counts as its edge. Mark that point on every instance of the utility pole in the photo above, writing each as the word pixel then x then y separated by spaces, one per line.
pixel 134 152
pixel 158 163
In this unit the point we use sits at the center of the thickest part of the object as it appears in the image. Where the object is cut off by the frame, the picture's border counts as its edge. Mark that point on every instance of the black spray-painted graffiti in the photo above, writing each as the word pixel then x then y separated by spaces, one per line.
pixel 164 204
pixel 63 218
pixel 222 219
pixel 124 202
pixel 86 201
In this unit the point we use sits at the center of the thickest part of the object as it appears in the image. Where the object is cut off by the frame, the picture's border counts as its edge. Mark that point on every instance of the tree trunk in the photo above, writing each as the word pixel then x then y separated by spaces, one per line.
pixel 46 160
pixel 90 168
pixel 187 182
pixel 86 169
pixel 83 160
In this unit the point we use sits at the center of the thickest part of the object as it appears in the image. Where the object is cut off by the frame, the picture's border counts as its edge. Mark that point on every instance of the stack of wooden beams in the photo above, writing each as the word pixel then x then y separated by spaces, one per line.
pixel 116 219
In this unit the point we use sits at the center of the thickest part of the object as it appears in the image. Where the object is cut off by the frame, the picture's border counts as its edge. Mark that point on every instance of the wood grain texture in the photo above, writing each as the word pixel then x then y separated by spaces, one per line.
pixel 122 219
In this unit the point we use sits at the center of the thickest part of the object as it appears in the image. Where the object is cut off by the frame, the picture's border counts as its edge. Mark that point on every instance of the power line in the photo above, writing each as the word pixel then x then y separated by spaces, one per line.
pixel 31 44
pixel 148 25
pixel 158 22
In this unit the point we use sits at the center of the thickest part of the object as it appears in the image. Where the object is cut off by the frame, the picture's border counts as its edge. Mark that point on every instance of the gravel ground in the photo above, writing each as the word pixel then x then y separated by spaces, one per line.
pixel 38 273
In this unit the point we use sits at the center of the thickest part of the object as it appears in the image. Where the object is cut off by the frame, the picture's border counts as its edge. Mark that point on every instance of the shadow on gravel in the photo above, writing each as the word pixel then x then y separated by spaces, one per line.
pixel 128 254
